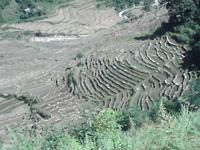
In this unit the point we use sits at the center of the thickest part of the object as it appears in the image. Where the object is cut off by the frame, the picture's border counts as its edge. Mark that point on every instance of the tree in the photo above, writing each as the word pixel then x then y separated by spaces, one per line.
pixel 181 11
pixel 185 22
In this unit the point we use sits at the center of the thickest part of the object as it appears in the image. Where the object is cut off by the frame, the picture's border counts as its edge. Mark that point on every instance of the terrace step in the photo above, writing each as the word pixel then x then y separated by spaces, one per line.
pixel 127 83
pixel 82 86
pixel 9 105
pixel 109 91
pixel 109 82
pixel 178 80
pixel 129 70
pixel 143 53
pixel 126 74
pixel 152 71
pixel 178 92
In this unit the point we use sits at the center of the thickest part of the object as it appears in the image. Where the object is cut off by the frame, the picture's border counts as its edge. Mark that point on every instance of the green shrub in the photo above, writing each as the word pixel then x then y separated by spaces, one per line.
pixel 106 121
pixel 119 4
pixel 79 55
pixel 4 3
pixel 181 132
pixel 184 19
pixel 195 97
pixel 181 38
pixel 1 18
pixel 136 115
pixel 184 29
pixel 153 113
pixel 82 131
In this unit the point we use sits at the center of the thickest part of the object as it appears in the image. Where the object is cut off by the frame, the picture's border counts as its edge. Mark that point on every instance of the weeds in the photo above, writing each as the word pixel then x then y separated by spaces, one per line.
pixel 104 132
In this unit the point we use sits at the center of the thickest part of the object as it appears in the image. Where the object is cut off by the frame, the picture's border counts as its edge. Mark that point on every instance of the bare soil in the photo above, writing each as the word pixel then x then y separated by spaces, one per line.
pixel 37 65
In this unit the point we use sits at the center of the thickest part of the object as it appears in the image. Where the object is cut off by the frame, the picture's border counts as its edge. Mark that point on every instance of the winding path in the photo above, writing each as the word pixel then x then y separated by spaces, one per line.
pixel 156 3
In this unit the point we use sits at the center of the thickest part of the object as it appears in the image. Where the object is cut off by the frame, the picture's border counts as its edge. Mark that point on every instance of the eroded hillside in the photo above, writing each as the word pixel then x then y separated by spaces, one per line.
pixel 83 58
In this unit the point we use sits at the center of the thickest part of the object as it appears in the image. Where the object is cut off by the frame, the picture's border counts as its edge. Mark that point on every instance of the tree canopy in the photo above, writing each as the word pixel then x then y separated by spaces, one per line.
pixel 185 19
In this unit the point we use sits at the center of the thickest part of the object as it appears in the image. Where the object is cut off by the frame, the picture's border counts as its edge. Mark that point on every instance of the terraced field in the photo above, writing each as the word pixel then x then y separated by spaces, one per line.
pixel 138 76
pixel 79 20
pixel 114 70
pixel 36 64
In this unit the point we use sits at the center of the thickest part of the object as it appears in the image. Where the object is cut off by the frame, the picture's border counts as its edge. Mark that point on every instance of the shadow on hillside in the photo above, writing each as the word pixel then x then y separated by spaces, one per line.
pixel 191 61
pixel 165 27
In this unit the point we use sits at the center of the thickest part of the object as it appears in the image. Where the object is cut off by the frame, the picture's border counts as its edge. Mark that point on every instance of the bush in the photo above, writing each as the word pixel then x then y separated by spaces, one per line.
pixel 181 132
pixel 181 38
pixel 79 55
pixel 195 97
pixel 119 4
pixel 4 3
pixel 184 29
pixel 184 19
pixel 154 111
pixel 136 115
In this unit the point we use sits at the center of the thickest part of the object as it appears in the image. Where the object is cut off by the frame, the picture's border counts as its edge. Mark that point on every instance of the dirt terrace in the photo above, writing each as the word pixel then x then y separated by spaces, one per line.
pixel 40 65
pixel 37 64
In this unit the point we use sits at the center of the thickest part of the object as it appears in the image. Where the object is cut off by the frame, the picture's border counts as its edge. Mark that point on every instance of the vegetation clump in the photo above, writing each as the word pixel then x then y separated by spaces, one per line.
pixel 118 4
pixel 185 23
pixel 104 132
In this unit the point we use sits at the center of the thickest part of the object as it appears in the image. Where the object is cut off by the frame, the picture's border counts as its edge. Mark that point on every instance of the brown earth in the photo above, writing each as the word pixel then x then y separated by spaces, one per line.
pixel 40 65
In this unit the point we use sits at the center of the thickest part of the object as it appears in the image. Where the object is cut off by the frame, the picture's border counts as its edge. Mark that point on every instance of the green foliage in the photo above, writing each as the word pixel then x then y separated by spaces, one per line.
pixel 118 4
pixel 194 98
pixel 181 132
pixel 183 33
pixel 53 140
pixel 106 121
pixel 185 19
pixel 154 111
pixel 133 117
pixel 1 18
pixel 173 107
pixel 181 11
pixel 4 3
pixel 79 55
pixel 185 30
pixel 176 134
pixel 82 131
